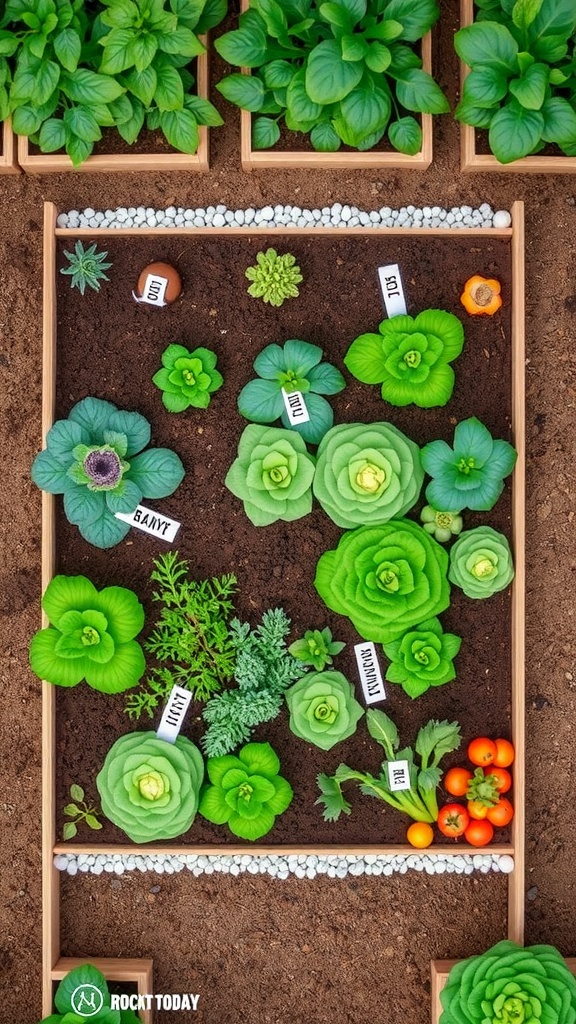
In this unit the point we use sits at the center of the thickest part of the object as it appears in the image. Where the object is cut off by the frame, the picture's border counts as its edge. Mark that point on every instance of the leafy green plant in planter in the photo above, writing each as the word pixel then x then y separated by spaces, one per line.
pixel 272 475
pixel 91 636
pixel 274 278
pixel 471 474
pixel 422 658
pixel 481 562
pixel 80 811
pixel 367 473
pixel 522 84
pixel 86 267
pixel 339 72
pixel 95 458
pixel 83 995
pixel 410 357
pixel 296 366
pixel 323 709
pixel 316 648
pixel 150 788
pixel 246 792
pixel 187 378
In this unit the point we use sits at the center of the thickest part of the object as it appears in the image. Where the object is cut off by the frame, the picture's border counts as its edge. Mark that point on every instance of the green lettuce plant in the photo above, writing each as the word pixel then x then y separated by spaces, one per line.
pixel 316 648
pixel 386 579
pixel 441 525
pixel 367 474
pixel 272 475
pixel 296 366
pixel 522 86
pixel 410 357
pixel 95 459
pixel 86 267
pixel 323 709
pixel 91 636
pixel 187 378
pixel 245 792
pixel 274 278
pixel 481 562
pixel 150 788
pixel 471 473
pixel 82 995
pixel 422 658
pixel 510 985
pixel 341 72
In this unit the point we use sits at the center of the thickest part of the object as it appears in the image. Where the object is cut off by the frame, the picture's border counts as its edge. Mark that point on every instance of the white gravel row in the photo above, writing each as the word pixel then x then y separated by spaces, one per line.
pixel 339 215
pixel 277 866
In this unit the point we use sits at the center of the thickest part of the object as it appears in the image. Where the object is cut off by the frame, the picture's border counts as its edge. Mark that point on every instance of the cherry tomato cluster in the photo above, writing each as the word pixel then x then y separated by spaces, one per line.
pixel 486 806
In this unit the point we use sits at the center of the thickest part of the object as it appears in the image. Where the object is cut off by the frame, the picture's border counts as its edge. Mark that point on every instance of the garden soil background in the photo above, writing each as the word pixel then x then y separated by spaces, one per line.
pixel 322 950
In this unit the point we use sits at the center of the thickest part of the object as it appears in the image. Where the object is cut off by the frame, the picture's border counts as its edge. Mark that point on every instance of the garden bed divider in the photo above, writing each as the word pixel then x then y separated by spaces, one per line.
pixel 114 969
pixel 8 163
pixel 255 159
pixel 470 160
pixel 56 163
pixel 440 969
pixel 51 876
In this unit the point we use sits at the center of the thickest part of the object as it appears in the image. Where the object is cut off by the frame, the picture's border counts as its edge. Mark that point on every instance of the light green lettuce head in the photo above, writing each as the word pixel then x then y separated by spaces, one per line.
pixel 272 475
pixel 481 562
pixel 323 708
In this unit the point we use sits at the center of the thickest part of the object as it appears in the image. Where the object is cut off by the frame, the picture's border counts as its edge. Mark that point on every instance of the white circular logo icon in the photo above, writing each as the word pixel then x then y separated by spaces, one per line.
pixel 87 1000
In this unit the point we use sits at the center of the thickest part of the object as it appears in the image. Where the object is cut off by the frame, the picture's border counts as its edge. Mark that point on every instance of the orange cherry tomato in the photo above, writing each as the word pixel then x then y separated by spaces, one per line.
pixel 456 781
pixel 479 833
pixel 420 835
pixel 504 754
pixel 482 751
pixel 477 810
pixel 503 778
pixel 501 814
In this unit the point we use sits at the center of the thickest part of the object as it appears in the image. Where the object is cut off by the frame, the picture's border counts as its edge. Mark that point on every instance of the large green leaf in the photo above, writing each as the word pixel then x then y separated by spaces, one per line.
pixel 277 74
pixel 46 80
pixel 417 90
pixel 49 473
pixel 135 426
pixel 121 14
pixel 324 138
pixel 80 121
pixel 365 359
pixel 559 121
pixel 26 120
pixel 515 132
pixel 300 106
pixel 336 14
pixel 9 43
pixel 67 593
pixel 141 49
pixel 67 47
pixel 243 47
pixel 530 89
pixel 485 86
pixel 478 117
pixel 265 133
pixel 273 17
pixel 261 401
pixel 405 135
pixel 49 665
pixel 169 92
pixel 106 531
pixel 85 86
pixel 329 78
pixel 182 42
pixel 52 135
pixel 487 42
pixel 246 91
pixel 181 129
pixel 142 84
pixel 116 56
pixel 556 18
pixel 125 669
pixel 365 110
pixel 204 111
pixel 415 16
pixel 157 472
pixel 326 379
pixel 524 13
pixel 211 15
pixel 126 499
pixel 82 505
pixel 93 414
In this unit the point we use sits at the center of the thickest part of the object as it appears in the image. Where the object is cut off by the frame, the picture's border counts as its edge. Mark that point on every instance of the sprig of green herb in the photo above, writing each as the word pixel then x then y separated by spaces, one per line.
pixel 79 811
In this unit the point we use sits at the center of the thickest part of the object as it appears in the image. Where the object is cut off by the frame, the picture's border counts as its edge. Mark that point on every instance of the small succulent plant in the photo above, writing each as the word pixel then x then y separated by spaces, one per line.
pixel 481 562
pixel 441 525
pixel 316 648
pixel 323 708
pixel 150 788
pixel 272 475
pixel 471 474
pixel 422 658
pixel 274 278
pixel 86 267
pixel 91 636
pixel 187 378
pixel 245 792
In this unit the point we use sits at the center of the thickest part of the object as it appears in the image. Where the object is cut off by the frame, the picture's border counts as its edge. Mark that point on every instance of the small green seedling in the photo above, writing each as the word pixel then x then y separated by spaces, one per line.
pixel 86 267
pixel 80 811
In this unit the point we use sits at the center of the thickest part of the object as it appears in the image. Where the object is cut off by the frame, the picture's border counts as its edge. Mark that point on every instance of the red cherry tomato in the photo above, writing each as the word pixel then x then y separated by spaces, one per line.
pixel 479 833
pixel 501 814
pixel 503 778
pixel 456 781
pixel 504 754
pixel 482 751
pixel 452 820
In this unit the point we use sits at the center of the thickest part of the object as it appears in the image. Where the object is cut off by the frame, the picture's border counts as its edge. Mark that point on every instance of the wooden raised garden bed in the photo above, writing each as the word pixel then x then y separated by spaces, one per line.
pixel 275 565
pixel 137 973
pixel 55 163
pixel 440 969
pixel 8 164
pixel 471 160
pixel 351 160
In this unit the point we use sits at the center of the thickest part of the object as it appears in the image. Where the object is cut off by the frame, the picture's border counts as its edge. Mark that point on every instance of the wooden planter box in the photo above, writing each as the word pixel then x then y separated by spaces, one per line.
pixel 56 163
pixel 440 970
pixel 470 160
pixel 113 969
pixel 8 164
pixel 254 159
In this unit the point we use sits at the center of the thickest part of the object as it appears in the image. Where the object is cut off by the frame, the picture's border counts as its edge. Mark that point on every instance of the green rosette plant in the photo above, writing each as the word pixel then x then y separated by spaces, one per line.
pixel 471 474
pixel 316 648
pixel 91 636
pixel 272 475
pixel 386 579
pixel 410 357
pixel 367 474
pixel 187 378
pixel 296 366
pixel 422 658
pixel 86 267
pixel 481 562
pixel 150 788
pixel 323 708
pixel 82 995
pixel 95 459
pixel 274 278
pixel 441 525
pixel 510 985
pixel 245 792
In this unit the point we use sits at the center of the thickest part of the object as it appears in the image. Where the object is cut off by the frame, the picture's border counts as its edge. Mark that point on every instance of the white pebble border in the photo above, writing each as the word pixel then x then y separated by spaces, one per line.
pixel 277 866
pixel 338 215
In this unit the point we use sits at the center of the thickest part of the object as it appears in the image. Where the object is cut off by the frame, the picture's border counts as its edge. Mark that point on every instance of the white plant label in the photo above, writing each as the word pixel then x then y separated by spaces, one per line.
pixel 392 290
pixel 154 291
pixel 150 522
pixel 398 776
pixel 295 407
pixel 174 714
pixel 369 672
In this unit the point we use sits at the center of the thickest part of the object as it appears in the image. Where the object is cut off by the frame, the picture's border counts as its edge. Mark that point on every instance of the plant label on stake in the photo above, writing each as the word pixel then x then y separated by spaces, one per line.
pixel 295 407
pixel 392 290
pixel 174 714
pixel 398 776
pixel 369 672
pixel 150 522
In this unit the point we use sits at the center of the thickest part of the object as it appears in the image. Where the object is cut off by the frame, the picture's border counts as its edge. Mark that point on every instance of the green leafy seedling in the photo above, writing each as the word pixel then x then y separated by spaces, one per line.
pixel 86 267
pixel 79 811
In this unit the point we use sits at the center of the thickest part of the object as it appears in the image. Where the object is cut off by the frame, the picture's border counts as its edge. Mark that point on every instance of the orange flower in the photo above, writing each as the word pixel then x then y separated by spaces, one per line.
pixel 481 296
